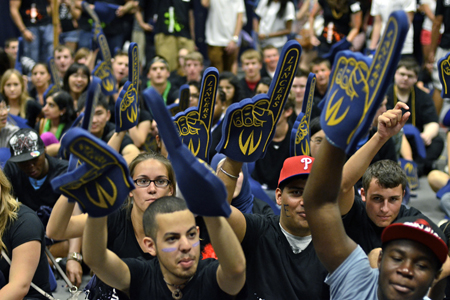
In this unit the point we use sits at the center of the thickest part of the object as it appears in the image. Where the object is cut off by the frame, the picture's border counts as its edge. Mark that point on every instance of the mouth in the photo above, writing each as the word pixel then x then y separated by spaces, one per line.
pixel 302 214
pixel 186 263
pixel 384 218
pixel 401 288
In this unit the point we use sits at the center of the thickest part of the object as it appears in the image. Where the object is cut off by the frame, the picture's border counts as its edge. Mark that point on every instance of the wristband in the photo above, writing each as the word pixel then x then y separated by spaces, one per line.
pixel 75 256
pixel 235 38
pixel 228 174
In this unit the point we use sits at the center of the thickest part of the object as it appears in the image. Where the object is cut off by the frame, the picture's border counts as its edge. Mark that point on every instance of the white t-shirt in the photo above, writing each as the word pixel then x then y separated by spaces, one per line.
pixel 269 21
pixel 221 21
pixel 385 7
pixel 427 23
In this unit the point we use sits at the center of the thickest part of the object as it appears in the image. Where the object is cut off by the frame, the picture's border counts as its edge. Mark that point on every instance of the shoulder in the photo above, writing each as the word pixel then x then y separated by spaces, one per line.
pixel 57 166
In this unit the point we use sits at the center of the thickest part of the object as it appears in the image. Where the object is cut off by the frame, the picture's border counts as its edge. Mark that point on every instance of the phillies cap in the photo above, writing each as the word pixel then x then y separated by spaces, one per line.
pixel 25 144
pixel 420 229
pixel 295 166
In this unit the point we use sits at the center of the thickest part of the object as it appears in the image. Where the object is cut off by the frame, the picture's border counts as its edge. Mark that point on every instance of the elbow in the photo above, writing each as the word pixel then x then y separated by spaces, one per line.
pixel 52 233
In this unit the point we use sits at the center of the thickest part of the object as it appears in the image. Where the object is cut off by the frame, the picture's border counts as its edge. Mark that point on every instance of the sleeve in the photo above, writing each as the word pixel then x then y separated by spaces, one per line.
pixel 125 142
pixel 25 229
pixel 439 8
pixel 140 273
pixel 241 7
pixel 410 5
pixel 375 9
pixel 355 6
pixel 422 2
pixel 145 116
pixel 255 229
pixel 289 15
pixel 260 8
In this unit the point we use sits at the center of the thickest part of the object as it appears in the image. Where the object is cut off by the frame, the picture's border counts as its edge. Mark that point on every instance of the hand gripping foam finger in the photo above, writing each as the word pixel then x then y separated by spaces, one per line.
pixel 300 138
pixel 127 113
pixel 248 126
pixel 194 124
pixel 183 104
pixel 102 182
pixel 443 67
pixel 358 86
pixel 203 191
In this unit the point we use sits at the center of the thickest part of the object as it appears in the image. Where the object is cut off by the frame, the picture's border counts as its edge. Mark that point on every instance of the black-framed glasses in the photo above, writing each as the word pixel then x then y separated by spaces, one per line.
pixel 145 182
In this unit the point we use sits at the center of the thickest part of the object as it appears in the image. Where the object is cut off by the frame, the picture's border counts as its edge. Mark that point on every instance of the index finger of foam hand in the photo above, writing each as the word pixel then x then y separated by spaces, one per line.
pixel 133 64
pixel 283 77
pixel 443 67
pixel 165 123
pixel 308 98
pixel 93 93
pixel 104 48
pixel 184 97
pixel 208 93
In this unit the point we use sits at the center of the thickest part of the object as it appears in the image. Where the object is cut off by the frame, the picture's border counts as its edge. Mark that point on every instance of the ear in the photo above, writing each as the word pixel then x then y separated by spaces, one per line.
pixel 278 195
pixel 363 195
pixel 108 115
pixel 63 111
pixel 379 258
pixel 150 246
pixel 288 112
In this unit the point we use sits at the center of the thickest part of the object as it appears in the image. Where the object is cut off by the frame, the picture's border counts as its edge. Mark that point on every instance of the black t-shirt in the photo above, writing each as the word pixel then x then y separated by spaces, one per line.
pixel 363 231
pixel 26 193
pixel 178 24
pixel 147 281
pixel 443 9
pixel 148 9
pixel 273 270
pixel 420 105
pixel 121 238
pixel 41 17
pixel 341 20
pixel 26 228
pixel 267 169
pixel 109 130
pixel 65 18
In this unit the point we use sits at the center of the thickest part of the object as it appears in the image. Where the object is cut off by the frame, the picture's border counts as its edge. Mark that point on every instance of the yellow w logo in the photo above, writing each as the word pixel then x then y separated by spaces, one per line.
pixel 103 195
pixel 132 118
pixel 332 110
pixel 191 147
pixel 409 168
pixel 249 144
pixel 108 85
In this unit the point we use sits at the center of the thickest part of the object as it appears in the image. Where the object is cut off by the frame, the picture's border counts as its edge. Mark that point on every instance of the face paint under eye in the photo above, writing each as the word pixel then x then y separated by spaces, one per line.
pixel 196 244
pixel 168 249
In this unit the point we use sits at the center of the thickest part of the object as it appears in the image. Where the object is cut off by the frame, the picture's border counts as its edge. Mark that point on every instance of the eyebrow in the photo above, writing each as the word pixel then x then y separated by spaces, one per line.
pixel 177 234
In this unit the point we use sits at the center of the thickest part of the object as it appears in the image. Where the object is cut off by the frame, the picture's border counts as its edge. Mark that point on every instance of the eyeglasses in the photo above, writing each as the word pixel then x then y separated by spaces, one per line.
pixel 4 107
pixel 145 182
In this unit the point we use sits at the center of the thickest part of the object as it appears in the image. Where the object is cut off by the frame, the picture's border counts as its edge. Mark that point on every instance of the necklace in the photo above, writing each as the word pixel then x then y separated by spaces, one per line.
pixel 177 294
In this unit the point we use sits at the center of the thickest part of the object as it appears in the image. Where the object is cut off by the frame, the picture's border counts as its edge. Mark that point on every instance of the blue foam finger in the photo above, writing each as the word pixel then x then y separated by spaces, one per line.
pixel 93 93
pixel 204 192
pixel 194 124
pixel 248 126
pixel 411 131
pixel 300 138
pixel 126 107
pixel 91 12
pixel 103 69
pixel 54 74
pixel 106 12
pixel 358 86
pixel 18 63
pixel 410 168
pixel 443 67
pixel 102 182
pixel 183 104
pixel 52 88
pixel 339 46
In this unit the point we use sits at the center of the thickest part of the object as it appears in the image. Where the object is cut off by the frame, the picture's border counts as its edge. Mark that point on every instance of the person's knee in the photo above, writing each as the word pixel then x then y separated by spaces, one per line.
pixel 437 179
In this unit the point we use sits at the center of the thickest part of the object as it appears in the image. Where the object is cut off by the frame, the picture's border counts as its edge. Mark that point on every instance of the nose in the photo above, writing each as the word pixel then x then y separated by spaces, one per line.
pixel 406 268
pixel 151 188
pixel 185 245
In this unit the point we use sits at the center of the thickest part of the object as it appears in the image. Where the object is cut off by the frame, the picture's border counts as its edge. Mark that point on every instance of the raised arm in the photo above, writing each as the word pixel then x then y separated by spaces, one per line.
pixel 357 164
pixel 376 32
pixel 62 225
pixel 103 262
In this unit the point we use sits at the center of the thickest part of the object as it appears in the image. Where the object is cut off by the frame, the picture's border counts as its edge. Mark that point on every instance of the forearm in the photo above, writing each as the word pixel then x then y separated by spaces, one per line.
pixel 375 35
pixel 238 26
pixel 139 18
pixel 13 291
pixel 431 129
pixel 356 26
pixel 95 237
pixel 60 218
pixel 435 33
pixel 192 24
pixel 139 133
pixel 17 19
pixel 231 167
pixel 116 140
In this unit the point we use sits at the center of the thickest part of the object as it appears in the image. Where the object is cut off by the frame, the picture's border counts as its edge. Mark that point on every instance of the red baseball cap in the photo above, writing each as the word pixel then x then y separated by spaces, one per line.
pixel 295 166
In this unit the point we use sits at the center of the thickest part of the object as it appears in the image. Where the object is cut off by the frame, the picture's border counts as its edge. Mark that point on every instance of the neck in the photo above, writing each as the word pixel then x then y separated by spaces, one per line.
pixel 300 232
pixel 54 122
pixel 160 88
pixel 322 89
pixel 41 89
pixel 99 134
pixel 136 220
pixel 74 95
pixel 403 93
pixel 254 78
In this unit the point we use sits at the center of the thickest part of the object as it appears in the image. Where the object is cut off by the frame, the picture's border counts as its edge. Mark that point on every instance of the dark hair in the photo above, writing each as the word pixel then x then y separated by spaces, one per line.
pixel 65 101
pixel 264 80
pixel 282 9
pixel 314 126
pixel 234 81
pixel 6 62
pixel 165 205
pixel 387 173
pixel 72 70
pixel 61 48
pixel 40 64
pixel 410 64
pixel 301 73
pixel 267 47
pixel 319 60
pixel 194 83
pixel 102 101
pixel 10 40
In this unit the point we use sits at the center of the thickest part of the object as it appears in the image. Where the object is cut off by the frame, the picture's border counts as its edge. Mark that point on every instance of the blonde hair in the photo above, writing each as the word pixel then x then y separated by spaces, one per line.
pixel 24 97
pixel 251 54
pixel 8 207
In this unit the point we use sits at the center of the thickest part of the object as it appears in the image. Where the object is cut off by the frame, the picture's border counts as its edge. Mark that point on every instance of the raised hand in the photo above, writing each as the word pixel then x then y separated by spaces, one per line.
pixel 358 86
pixel 194 124
pixel 128 101
pixel 249 125
pixel 183 104
pixel 102 182
pixel 392 121
pixel 300 138
pixel 204 192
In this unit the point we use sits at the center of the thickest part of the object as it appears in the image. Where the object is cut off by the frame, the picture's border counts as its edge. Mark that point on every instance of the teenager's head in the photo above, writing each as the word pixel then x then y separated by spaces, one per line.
pixel 194 93
pixel 60 106
pixel 193 66
pixel 251 64
pixel 81 55
pixel 173 236
pixel 77 79
pixel 263 86
pixel 384 184
pixel 270 57
pixel 231 86
pixel 299 86
pixel 322 68
pixel 12 87
pixel 63 58
pixel 40 76
pixel 150 166
pixel 181 56
pixel 120 65
pixel 101 117
pixel 11 47
pixel 406 74
pixel 158 71
pixel 413 252
pixel 289 194
pixel 317 135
